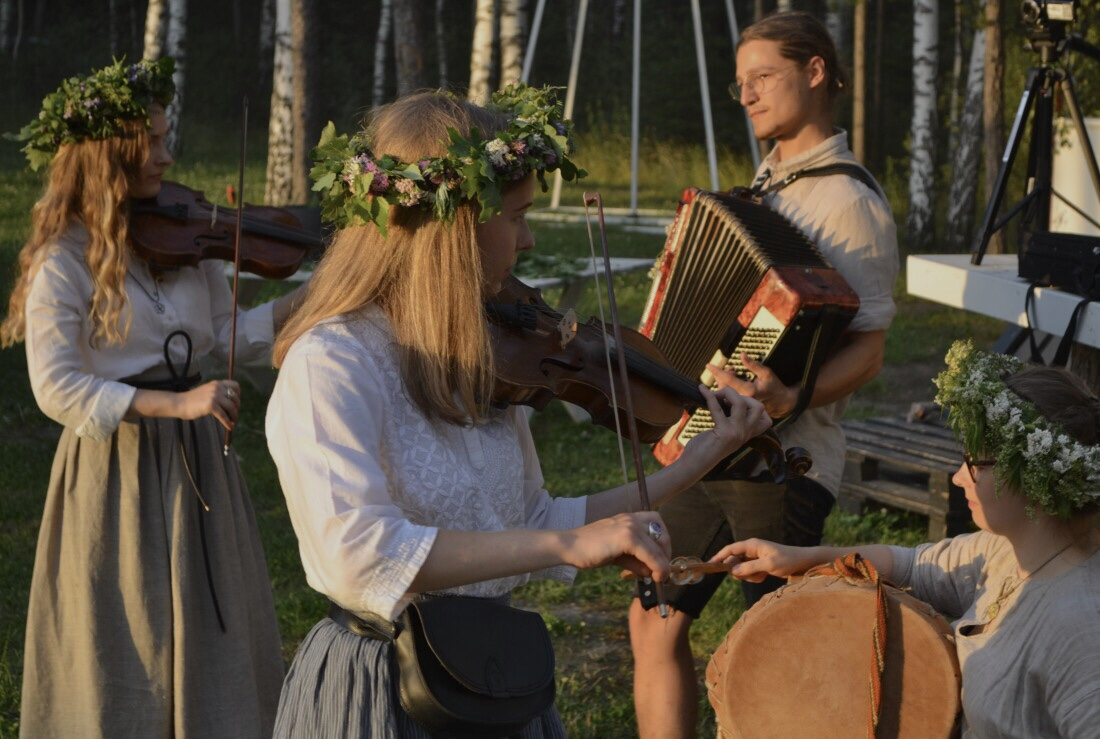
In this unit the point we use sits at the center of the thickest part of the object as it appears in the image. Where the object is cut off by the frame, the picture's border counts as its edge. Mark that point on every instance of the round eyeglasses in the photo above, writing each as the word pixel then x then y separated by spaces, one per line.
pixel 759 84
pixel 972 465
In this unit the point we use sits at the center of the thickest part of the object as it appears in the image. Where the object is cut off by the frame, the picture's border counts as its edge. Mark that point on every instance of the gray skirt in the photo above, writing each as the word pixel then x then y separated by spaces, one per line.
pixel 342 685
pixel 148 615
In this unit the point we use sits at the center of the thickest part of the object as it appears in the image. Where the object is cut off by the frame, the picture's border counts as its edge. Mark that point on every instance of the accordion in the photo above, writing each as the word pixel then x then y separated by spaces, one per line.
pixel 736 277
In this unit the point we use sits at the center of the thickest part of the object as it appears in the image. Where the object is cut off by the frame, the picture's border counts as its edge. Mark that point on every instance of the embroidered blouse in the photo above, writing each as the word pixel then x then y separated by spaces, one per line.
pixel 369 480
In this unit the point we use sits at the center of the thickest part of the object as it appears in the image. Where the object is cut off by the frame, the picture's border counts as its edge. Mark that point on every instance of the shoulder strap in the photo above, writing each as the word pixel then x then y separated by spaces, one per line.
pixel 845 168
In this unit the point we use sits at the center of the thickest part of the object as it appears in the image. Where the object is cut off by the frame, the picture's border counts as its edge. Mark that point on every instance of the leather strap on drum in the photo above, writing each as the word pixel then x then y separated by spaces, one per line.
pixel 856 570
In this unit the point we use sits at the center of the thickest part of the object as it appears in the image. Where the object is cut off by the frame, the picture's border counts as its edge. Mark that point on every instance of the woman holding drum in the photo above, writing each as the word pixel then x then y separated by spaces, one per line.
pixel 1023 593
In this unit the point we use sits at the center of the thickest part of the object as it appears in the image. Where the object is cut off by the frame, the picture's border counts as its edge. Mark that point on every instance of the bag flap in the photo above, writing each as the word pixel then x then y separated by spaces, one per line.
pixel 488 647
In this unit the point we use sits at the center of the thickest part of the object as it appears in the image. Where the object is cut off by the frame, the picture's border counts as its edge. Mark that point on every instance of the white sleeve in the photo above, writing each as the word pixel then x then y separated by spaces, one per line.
pixel 542 510
pixel 324 427
pixel 255 326
pixel 57 321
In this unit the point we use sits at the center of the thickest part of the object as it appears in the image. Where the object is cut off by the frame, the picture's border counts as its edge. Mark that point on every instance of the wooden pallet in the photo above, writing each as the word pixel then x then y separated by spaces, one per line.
pixel 906 465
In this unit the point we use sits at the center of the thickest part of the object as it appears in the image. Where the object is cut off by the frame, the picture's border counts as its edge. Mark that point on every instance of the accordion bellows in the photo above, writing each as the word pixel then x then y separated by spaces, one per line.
pixel 737 277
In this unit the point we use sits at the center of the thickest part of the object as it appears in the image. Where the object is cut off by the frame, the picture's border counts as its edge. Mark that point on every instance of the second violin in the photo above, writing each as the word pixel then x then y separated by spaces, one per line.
pixel 542 354
pixel 180 227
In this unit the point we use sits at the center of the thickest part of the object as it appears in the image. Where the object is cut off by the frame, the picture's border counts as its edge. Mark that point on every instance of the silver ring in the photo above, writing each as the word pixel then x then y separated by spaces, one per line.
pixel 229 393
pixel 655 530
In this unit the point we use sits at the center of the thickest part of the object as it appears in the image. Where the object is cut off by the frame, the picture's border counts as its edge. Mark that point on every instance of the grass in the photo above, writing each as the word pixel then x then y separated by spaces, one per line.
pixel 588 620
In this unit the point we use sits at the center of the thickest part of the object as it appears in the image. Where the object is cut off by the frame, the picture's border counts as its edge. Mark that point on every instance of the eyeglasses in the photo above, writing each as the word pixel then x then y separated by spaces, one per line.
pixel 972 464
pixel 760 84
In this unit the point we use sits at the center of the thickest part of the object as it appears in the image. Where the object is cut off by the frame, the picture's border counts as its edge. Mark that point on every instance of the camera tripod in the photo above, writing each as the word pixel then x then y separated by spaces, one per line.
pixel 1038 94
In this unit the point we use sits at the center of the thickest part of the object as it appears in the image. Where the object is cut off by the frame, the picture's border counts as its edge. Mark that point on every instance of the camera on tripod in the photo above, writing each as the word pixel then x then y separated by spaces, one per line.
pixel 1040 13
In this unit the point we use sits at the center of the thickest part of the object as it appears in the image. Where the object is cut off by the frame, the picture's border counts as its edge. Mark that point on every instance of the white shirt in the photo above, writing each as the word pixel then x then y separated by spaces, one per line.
pixel 77 384
pixel 853 228
pixel 369 480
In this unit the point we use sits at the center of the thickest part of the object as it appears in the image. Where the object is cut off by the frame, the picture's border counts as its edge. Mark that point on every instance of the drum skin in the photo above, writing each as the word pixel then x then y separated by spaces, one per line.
pixel 798 664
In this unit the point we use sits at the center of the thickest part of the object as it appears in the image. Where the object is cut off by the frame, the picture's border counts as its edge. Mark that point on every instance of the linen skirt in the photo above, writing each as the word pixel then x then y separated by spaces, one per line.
pixel 150 616
pixel 342 685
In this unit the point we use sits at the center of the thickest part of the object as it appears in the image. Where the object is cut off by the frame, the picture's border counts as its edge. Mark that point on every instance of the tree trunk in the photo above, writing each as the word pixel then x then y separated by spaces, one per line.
pixel 757 10
pixel 967 155
pixel 307 128
pixel 783 6
pixel 6 7
pixel 176 47
pixel 834 24
pixel 859 81
pixel 381 48
pixel 156 29
pixel 267 40
pixel 441 44
pixel 112 27
pixel 876 84
pixel 408 45
pixel 954 105
pixel 511 42
pixel 993 107
pixel 922 162
pixel 481 54
pixel 280 135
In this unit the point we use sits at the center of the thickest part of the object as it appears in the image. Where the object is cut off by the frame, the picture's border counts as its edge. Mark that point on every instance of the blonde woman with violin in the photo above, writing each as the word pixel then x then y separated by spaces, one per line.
pixel 1023 593
pixel 151 613
pixel 407 485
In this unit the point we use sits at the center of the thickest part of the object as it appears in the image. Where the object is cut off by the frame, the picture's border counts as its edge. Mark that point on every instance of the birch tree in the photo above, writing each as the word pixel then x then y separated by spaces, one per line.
pixel 267 39
pixel 6 14
pixel 176 47
pixel 156 29
pixel 306 123
pixel 441 43
pixel 993 106
pixel 381 52
pixel 408 46
pixel 511 41
pixel 967 152
pixel 922 160
pixel 280 141
pixel 481 54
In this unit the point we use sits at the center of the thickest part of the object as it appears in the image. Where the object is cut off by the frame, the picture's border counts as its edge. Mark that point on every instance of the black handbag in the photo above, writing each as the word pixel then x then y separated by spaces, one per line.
pixel 473 667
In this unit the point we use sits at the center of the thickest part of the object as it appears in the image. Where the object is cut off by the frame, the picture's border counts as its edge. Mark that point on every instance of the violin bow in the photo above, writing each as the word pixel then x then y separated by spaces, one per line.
pixel 624 377
pixel 237 258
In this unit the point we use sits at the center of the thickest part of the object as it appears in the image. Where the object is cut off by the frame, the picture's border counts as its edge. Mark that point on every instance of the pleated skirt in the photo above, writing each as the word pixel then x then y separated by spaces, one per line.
pixel 149 616
pixel 342 685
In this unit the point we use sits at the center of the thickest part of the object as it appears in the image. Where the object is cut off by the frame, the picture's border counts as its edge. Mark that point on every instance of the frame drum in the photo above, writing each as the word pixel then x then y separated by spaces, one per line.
pixel 799 664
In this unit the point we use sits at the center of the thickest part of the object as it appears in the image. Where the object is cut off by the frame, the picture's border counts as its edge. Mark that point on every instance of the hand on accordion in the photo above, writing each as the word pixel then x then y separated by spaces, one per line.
pixel 778 399
pixel 737 419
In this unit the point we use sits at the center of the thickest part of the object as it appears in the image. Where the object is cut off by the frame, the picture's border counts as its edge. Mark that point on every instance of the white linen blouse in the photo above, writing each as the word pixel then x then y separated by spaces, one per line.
pixel 369 480
pixel 75 383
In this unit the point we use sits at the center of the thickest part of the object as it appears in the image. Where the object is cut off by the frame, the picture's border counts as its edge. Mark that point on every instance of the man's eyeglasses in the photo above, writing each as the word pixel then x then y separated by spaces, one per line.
pixel 973 464
pixel 760 84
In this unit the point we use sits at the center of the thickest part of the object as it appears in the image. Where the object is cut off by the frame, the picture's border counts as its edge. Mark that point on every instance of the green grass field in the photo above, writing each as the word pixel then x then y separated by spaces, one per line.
pixel 588 620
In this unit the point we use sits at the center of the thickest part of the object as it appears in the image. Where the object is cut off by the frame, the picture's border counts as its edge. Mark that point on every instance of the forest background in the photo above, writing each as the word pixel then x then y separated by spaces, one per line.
pixel 917 61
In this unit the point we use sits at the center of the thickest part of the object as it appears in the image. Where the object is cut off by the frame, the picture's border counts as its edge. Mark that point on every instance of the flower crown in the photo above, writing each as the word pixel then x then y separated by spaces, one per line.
pixel 93 106
pixel 1033 454
pixel 359 187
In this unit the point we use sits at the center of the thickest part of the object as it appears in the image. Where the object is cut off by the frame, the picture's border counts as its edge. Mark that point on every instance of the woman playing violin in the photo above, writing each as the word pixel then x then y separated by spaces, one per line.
pixel 403 482
pixel 150 611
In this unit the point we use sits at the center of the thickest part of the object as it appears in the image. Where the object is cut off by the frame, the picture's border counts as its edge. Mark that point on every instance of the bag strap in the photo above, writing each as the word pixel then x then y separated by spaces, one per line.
pixel 843 168
pixel 1061 354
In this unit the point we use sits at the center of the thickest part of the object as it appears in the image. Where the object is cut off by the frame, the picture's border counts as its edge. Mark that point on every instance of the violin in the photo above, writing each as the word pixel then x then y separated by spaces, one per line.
pixel 180 227
pixel 541 354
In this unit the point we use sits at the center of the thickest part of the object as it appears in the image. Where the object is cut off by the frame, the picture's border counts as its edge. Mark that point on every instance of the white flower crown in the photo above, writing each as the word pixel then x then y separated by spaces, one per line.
pixel 1033 455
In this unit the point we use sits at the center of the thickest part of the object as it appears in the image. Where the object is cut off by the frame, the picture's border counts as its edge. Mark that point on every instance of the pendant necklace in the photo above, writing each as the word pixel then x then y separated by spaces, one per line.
pixel 153 296
pixel 1011 583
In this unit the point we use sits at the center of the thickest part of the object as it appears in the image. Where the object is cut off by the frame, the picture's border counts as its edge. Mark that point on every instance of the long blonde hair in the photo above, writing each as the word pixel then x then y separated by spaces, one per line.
pixel 426 275
pixel 87 182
